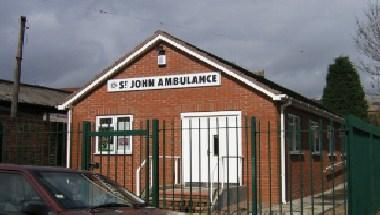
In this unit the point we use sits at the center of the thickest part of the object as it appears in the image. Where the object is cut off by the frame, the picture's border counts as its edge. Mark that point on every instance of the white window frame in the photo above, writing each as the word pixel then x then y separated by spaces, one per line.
pixel 292 135
pixel 116 150
pixel 343 145
pixel 316 137
pixel 330 140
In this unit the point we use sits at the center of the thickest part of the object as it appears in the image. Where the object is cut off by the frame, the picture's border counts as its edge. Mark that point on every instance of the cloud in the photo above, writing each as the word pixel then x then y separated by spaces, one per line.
pixel 71 41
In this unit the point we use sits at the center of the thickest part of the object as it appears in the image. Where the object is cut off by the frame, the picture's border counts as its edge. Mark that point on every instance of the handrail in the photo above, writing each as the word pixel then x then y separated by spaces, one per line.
pixel 332 166
pixel 176 178
pixel 176 181
pixel 223 174
pixel 138 177
pixel 212 177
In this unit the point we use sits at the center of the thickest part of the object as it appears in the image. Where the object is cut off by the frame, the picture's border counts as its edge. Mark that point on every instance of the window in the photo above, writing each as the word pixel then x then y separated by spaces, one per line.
pixel 16 194
pixel 24 131
pixel 114 144
pixel 74 190
pixel 294 133
pixel 216 145
pixel 315 137
pixel 330 140
pixel 342 142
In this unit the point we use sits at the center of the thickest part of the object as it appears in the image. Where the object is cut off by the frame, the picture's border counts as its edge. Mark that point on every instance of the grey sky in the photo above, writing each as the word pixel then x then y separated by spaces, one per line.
pixel 70 41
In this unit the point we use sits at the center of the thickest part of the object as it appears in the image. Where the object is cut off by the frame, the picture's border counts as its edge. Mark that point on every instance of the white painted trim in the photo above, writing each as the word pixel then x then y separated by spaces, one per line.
pixel 313 109
pixel 222 68
pixel 275 97
pixel 114 122
pixel 283 152
pixel 106 75
pixel 89 87
pixel 215 113
pixel 176 181
pixel 292 117
pixel 314 125
pixel 330 139
pixel 238 114
pixel 138 177
pixel 68 138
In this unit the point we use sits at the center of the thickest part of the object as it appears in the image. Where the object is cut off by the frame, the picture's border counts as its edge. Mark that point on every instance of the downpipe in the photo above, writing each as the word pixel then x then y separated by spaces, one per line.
pixel 283 151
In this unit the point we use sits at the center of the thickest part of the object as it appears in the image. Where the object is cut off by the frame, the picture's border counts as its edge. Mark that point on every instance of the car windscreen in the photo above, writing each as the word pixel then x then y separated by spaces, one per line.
pixel 75 190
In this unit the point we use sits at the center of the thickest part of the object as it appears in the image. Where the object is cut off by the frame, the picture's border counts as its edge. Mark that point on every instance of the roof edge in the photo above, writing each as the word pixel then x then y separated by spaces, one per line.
pixel 36 86
pixel 163 36
pixel 316 110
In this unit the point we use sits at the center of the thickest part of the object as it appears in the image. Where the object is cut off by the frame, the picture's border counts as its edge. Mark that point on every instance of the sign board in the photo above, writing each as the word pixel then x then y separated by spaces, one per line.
pixel 164 82
pixel 55 117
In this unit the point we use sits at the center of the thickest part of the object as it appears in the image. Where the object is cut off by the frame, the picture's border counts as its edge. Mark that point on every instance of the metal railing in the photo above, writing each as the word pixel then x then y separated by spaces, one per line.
pixel 216 170
pixel 187 166
pixel 138 172
pixel 222 182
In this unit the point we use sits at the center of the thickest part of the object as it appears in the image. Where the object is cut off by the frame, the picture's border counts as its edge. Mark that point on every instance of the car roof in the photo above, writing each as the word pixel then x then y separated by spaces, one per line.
pixel 17 167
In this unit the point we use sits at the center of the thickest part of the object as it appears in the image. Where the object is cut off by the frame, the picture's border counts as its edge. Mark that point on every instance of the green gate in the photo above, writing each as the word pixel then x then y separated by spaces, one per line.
pixel 364 166
pixel 148 133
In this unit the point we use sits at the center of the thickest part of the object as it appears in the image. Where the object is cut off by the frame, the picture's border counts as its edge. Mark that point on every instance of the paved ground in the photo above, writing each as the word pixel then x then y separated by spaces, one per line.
pixel 330 205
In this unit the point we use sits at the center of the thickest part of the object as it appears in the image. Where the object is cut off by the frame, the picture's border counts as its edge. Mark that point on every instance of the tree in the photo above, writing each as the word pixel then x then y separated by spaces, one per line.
pixel 343 93
pixel 368 42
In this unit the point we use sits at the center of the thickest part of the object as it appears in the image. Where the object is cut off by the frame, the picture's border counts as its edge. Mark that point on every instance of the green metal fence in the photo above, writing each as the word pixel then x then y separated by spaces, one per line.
pixel 213 165
pixel 185 165
pixel 364 166
pixel 1 141
pixel 317 179
pixel 146 133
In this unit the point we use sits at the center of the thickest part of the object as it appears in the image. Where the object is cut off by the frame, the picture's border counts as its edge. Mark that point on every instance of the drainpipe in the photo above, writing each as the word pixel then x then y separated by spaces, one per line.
pixel 68 138
pixel 283 151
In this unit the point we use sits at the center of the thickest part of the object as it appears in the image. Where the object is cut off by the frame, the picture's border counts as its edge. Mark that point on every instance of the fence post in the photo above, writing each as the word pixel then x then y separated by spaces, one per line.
pixel 1 142
pixel 155 163
pixel 347 149
pixel 253 165
pixel 86 146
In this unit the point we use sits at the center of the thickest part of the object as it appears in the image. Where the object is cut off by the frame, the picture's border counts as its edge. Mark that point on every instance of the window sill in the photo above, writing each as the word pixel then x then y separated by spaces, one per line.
pixel 316 154
pixel 113 153
pixel 296 152
pixel 333 155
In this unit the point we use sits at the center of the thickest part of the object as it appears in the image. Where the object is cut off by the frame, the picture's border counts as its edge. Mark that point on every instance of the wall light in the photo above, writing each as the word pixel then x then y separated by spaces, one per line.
pixel 161 57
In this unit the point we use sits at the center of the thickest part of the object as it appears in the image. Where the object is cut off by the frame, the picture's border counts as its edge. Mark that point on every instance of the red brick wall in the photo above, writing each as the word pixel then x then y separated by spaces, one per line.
pixel 169 104
pixel 30 140
pixel 306 168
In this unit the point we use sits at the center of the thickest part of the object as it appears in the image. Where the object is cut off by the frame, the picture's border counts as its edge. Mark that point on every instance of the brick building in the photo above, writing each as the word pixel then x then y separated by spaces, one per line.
pixel 168 79
pixel 29 138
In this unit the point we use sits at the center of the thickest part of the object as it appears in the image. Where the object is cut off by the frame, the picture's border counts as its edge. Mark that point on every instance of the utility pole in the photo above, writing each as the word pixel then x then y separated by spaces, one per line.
pixel 17 72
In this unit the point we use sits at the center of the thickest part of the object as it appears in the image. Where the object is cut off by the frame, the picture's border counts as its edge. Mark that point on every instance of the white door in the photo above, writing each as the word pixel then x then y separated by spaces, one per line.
pixel 213 137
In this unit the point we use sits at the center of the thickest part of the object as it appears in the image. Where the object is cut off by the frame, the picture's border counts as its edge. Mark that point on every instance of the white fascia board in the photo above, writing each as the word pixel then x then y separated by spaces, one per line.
pixel 66 104
pixel 279 97
pixel 317 110
pixel 106 75
pixel 223 69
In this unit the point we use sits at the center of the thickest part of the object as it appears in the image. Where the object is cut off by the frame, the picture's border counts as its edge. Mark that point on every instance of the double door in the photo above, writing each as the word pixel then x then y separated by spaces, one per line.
pixel 211 147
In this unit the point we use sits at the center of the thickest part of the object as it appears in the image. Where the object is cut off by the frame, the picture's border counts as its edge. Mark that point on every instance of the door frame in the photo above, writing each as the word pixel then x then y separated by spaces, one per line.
pixel 214 114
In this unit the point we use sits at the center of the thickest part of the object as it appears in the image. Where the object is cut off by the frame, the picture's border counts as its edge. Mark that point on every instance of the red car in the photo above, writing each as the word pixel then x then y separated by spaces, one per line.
pixel 37 190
